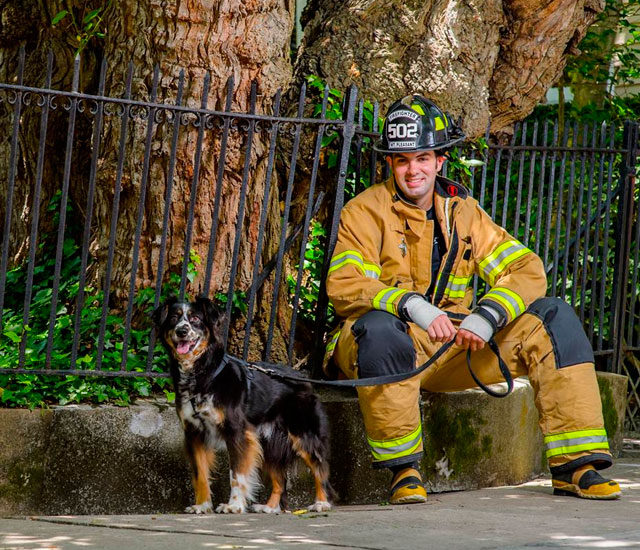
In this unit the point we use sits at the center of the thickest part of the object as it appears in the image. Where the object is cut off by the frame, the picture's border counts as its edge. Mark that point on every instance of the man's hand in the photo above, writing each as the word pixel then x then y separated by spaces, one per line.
pixel 442 329
pixel 468 340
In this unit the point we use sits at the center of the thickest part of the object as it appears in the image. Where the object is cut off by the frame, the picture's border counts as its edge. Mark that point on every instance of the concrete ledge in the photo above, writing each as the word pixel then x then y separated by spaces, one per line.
pixel 109 460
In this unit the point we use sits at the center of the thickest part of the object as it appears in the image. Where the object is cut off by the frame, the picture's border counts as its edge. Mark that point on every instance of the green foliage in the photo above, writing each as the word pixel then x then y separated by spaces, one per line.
pixel 331 142
pixel 84 27
pixel 604 63
pixel 355 181
pixel 30 390
pixel 601 59
pixel 312 272
pixel 239 304
pixel 18 390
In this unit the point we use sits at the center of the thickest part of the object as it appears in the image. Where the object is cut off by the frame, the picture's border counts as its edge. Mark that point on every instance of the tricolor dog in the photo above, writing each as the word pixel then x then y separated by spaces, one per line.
pixel 261 421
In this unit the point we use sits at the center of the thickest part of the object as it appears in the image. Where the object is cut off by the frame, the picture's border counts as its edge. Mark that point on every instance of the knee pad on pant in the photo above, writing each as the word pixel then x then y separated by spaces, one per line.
pixel 569 341
pixel 384 347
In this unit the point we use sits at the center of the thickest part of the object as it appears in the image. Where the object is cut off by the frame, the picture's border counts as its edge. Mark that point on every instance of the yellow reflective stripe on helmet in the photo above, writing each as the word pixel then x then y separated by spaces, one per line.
pixel 439 123
pixel 390 449
pixel 457 286
pixel 508 299
pixel 496 262
pixel 418 108
pixel 387 298
pixel 575 442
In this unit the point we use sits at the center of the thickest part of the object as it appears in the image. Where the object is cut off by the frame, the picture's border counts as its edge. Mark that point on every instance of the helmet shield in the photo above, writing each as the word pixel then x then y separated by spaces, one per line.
pixel 417 124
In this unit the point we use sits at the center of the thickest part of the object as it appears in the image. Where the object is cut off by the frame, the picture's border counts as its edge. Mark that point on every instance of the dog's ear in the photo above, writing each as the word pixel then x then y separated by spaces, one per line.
pixel 214 317
pixel 160 315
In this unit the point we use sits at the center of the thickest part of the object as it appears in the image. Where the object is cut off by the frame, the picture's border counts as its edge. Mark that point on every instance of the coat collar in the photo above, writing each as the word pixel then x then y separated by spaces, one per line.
pixel 446 193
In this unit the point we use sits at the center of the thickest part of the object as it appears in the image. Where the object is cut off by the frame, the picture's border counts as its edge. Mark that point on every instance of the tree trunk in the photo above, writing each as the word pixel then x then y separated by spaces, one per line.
pixel 478 59
pixel 246 40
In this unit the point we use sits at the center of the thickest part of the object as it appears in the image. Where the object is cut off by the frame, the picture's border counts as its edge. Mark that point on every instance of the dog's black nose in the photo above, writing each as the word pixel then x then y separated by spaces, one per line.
pixel 182 331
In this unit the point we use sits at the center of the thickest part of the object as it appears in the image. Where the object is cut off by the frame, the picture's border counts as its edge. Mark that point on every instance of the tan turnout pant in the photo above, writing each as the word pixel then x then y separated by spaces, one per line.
pixel 541 344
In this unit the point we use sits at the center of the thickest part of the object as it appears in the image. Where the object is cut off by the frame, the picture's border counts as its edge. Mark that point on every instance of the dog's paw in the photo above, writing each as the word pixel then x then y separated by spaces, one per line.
pixel 264 509
pixel 204 508
pixel 320 506
pixel 228 508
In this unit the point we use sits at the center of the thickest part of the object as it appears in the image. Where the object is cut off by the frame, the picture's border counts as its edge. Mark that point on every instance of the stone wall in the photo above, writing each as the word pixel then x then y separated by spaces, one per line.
pixel 110 460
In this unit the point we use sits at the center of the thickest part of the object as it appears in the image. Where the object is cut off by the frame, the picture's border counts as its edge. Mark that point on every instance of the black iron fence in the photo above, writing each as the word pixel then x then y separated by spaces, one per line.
pixel 111 203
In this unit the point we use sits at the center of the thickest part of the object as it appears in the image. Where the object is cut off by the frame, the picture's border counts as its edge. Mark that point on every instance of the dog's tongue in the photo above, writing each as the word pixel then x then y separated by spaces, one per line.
pixel 184 347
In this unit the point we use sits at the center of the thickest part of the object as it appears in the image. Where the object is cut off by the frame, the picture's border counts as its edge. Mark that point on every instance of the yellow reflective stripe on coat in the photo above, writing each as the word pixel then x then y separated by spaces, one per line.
pixel 508 299
pixel 496 262
pixel 457 286
pixel 353 257
pixel 390 449
pixel 372 270
pixel 575 442
pixel 387 299
pixel 347 257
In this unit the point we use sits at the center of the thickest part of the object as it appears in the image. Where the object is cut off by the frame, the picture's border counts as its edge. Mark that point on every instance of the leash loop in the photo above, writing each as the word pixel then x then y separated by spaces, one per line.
pixel 504 370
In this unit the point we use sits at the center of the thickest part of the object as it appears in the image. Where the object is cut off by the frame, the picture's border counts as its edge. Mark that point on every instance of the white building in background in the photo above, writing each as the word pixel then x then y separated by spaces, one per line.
pixel 621 90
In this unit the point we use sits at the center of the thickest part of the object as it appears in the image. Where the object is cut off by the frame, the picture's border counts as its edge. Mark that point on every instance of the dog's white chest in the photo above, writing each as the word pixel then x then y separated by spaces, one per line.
pixel 204 416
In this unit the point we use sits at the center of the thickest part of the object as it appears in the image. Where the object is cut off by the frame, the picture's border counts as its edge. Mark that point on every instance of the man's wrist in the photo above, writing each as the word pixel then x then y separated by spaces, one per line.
pixel 478 325
pixel 419 311
pixel 492 314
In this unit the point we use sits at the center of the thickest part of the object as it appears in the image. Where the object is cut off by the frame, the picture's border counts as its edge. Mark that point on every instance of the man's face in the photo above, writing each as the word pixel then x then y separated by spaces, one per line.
pixel 415 174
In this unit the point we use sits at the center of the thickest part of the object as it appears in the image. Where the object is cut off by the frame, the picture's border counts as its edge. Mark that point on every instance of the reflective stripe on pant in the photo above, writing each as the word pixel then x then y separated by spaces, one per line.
pixel 546 343
pixel 378 344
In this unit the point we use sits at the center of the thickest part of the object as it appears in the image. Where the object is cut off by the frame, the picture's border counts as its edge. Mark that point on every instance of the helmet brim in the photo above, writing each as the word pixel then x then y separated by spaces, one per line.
pixel 441 147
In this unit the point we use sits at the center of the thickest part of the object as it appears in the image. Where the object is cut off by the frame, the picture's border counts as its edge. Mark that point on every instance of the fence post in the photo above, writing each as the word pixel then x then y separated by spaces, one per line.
pixel 348 131
pixel 623 226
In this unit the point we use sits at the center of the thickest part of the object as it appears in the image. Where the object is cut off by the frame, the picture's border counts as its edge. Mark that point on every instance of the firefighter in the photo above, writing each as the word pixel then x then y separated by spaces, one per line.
pixel 400 279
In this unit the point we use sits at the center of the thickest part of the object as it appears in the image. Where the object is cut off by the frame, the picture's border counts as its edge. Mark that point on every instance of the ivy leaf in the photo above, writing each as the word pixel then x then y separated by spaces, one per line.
pixel 59 17
pixel 6 395
pixel 91 15
pixel 12 336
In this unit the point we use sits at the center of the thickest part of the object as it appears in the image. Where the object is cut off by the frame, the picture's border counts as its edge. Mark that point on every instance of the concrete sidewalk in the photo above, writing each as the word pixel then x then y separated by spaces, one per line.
pixel 524 516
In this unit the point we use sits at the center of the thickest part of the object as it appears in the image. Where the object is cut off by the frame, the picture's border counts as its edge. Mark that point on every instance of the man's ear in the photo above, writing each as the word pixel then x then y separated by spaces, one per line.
pixel 440 161
pixel 389 160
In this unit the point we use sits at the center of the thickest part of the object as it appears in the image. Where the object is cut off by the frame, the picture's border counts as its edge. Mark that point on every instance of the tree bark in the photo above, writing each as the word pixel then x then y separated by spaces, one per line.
pixel 248 40
pixel 477 59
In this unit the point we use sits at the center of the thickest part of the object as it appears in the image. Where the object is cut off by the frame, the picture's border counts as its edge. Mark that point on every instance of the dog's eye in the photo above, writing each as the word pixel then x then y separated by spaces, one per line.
pixel 194 319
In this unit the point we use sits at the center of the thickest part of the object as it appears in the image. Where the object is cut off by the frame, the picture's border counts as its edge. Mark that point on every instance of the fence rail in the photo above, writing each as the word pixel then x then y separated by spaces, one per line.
pixel 111 203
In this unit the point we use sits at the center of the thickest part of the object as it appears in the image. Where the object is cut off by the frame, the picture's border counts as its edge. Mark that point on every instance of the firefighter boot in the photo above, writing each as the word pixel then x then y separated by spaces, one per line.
pixel 585 482
pixel 407 487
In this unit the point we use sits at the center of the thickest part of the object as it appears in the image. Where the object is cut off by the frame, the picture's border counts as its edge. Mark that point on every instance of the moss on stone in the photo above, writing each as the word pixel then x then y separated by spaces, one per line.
pixel 487 443
pixel 23 480
pixel 454 434
pixel 608 407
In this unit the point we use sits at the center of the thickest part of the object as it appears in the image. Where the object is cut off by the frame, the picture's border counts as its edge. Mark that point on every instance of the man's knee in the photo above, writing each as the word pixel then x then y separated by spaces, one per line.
pixel 570 343
pixel 384 346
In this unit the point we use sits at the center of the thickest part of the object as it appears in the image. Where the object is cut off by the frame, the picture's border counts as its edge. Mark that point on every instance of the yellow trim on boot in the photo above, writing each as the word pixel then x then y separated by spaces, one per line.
pixel 405 490
pixel 607 489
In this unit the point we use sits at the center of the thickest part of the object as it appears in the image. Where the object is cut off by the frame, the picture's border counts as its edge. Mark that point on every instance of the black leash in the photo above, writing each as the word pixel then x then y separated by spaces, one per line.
pixel 504 370
pixel 287 373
